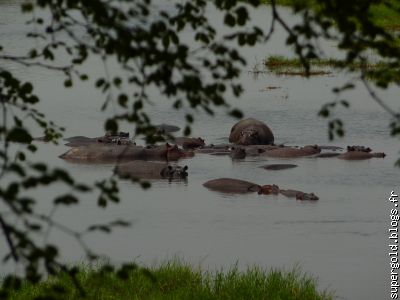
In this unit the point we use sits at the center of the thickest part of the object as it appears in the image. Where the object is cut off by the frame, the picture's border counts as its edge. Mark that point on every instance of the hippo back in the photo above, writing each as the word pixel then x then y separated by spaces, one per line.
pixel 150 170
pixel 293 152
pixel 231 185
pixel 251 132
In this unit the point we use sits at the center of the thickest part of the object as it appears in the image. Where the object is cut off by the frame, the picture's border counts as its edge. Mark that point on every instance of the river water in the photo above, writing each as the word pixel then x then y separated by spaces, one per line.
pixel 342 239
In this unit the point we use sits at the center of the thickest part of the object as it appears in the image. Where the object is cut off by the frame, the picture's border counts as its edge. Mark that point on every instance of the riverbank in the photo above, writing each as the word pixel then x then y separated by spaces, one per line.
pixel 383 15
pixel 280 65
pixel 177 280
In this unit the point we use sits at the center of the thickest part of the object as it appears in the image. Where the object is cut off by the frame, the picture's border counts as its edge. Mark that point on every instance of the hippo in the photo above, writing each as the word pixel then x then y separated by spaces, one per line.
pixel 139 169
pixel 256 150
pixel 293 152
pixel 299 195
pixel 359 155
pixel 189 143
pixel 328 154
pixel 238 153
pixel 165 128
pixel 251 132
pixel 214 148
pixel 220 153
pixel 121 138
pixel 332 148
pixel 275 167
pixel 359 148
pixel 237 186
pixel 110 153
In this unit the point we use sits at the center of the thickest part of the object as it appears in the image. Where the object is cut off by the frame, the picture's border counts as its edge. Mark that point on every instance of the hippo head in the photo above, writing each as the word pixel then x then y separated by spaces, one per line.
pixel 249 136
pixel 379 154
pixel 173 152
pixel 200 141
pixel 193 143
pixel 306 196
pixel 174 172
pixel 269 190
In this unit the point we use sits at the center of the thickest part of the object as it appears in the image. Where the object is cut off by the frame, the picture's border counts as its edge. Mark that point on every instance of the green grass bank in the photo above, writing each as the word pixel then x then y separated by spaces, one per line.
pixel 176 280
pixel 387 16
pixel 281 65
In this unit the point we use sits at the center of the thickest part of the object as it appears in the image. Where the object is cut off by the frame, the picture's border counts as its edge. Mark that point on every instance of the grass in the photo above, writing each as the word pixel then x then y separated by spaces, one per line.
pixel 281 65
pixel 176 280
pixel 382 15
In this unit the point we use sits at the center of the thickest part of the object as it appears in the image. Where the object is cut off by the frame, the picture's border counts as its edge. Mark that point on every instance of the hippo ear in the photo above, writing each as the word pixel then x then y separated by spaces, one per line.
pixel 169 168
pixel 185 168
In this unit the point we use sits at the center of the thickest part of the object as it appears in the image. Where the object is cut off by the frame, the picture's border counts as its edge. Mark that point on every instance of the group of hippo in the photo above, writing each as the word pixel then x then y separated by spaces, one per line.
pixel 248 137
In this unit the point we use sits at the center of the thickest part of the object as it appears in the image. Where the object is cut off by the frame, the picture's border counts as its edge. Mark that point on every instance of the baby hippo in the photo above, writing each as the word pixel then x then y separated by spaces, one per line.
pixel 139 169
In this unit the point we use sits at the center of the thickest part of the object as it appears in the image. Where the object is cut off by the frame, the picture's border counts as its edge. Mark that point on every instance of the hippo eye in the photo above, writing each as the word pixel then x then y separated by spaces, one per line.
pixel 242 133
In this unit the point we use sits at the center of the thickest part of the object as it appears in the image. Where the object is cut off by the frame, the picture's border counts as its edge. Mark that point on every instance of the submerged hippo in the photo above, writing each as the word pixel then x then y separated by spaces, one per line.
pixel 120 138
pixel 165 128
pixel 359 155
pixel 275 167
pixel 110 153
pixel 293 152
pixel 299 195
pixel 189 143
pixel 236 186
pixel 139 169
pixel 231 185
pixel 238 153
pixel 214 148
pixel 328 155
pixel 251 132
pixel 359 148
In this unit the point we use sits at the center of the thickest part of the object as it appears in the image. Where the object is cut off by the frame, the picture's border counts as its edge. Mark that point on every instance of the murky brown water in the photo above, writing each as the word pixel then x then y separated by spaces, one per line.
pixel 341 239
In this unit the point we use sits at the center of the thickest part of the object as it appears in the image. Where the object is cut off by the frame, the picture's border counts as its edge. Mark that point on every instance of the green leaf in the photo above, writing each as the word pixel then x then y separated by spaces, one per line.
pixel 66 200
pixel 111 125
pixel 236 113
pixel 68 83
pixel 230 20
pixel 123 100
pixel 19 135
pixel 26 7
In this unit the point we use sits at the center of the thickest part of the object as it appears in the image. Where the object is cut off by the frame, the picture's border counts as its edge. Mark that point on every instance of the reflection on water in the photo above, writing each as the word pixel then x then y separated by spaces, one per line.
pixel 341 236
